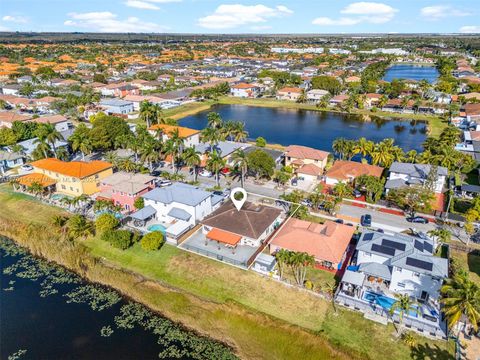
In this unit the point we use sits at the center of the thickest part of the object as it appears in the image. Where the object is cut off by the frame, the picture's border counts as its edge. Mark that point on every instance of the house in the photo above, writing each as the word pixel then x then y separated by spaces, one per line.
pixel 405 174
pixel 372 99
pixel 327 243
pixel 276 155
pixel 60 122
pixel 11 89
pixel 348 171
pixel 124 188
pixel 181 202
pixel 245 90
pixel 298 156
pixel 9 160
pixel 72 178
pixel 338 99
pixel 289 93
pixel 472 111
pixel 138 99
pixel 391 264
pixel 116 106
pixel 315 95
pixel 28 146
pixel 190 137
pixel 8 117
pixel 249 226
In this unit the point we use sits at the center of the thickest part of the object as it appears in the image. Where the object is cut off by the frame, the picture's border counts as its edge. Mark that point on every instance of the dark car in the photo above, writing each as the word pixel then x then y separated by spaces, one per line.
pixel 357 193
pixel 339 221
pixel 155 173
pixel 417 219
pixel 366 220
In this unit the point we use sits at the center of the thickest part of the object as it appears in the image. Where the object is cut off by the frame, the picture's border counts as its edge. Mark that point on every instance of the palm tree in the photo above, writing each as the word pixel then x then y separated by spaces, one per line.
pixel 461 300
pixel 239 133
pixel 383 153
pixel 127 165
pixel 43 148
pixel 174 147
pixel 339 146
pixel 363 147
pixel 403 305
pixel 342 190
pixel 282 256
pixel 52 135
pixel 441 234
pixel 149 153
pixel 299 262
pixel 112 158
pixel 214 120
pixel 79 227
pixel 240 159
pixel 411 156
pixel 215 163
pixel 211 136
pixel 192 159
pixel 147 112
pixel 35 188
pixel 81 140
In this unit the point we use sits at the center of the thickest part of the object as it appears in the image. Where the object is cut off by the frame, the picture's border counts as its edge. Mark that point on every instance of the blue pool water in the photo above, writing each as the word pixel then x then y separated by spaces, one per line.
pixel 157 227
pixel 117 215
pixel 384 301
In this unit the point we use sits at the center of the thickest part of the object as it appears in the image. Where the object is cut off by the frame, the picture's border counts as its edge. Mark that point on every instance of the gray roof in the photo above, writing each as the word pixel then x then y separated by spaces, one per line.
pixel 216 199
pixel 179 193
pixel 416 170
pixel 471 188
pixel 115 102
pixel 9 156
pixel 354 278
pixel 144 213
pixel 402 250
pixel 395 184
pixel 224 148
pixel 274 154
pixel 376 269
pixel 179 214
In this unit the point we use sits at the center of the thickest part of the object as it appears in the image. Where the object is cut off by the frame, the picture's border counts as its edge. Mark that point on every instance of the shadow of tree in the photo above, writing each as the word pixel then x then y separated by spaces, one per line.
pixel 426 351
pixel 473 260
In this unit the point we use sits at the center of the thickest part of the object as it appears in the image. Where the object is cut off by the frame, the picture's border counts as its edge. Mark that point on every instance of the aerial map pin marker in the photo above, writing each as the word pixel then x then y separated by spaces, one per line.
pixel 238 197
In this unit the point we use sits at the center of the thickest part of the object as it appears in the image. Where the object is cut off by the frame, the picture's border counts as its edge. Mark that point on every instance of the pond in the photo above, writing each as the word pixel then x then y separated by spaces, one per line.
pixel 48 312
pixel 316 129
pixel 412 72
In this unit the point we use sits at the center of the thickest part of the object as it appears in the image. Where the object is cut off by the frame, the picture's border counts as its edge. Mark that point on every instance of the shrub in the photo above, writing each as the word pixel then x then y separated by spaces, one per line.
pixel 106 222
pixel 120 239
pixel 152 241
pixel 309 285
pixel 260 142
pixel 139 203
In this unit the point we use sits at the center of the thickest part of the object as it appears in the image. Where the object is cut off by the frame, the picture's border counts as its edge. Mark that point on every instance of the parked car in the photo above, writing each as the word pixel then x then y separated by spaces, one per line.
pixel 205 173
pixel 155 173
pixel 306 202
pixel 417 219
pixel 163 183
pixel 223 194
pixel 357 193
pixel 366 220
pixel 26 167
pixel 339 221
pixel 294 182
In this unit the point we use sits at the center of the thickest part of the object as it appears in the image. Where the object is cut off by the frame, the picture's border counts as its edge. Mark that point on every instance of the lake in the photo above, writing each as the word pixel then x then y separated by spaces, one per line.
pixel 317 129
pixel 411 72
pixel 48 312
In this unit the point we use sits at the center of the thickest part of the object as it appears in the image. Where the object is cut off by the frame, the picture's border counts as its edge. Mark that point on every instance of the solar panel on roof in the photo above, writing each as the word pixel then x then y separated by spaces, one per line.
pixel 383 249
pixel 418 245
pixel 428 247
pixel 368 236
pixel 425 265
pixel 393 244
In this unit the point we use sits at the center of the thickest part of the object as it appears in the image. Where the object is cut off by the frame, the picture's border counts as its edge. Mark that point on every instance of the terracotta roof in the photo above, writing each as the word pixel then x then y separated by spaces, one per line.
pixel 77 169
pixel 183 132
pixel 251 221
pixel 52 119
pixel 345 170
pixel 29 179
pixel 10 116
pixel 310 169
pixel 243 86
pixel 326 241
pixel 224 237
pixel 290 89
pixel 475 135
pixel 304 152
pixel 472 109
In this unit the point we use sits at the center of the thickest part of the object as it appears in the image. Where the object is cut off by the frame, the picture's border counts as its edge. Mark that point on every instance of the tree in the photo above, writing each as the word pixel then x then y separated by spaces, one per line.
pixel 79 227
pixel 35 188
pixel 372 185
pixel 282 256
pixel 443 235
pixel 120 239
pixel 150 152
pixel 299 262
pixel 51 134
pixel 403 305
pixel 215 163
pixel 106 222
pixel 281 177
pixel 342 190
pixel 174 147
pixel 81 141
pixel 152 241
pixel 149 113
pixel 240 160
pixel 261 163
pixel 214 120
pixel 211 136
pixel 461 300
pixel 364 147
pixel 192 159
pixel 106 130
pixel 139 203
pixel 260 142
pixel 412 199
pixel 329 83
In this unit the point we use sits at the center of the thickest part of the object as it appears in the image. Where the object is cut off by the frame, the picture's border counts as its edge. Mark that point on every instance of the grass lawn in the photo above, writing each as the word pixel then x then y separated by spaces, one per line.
pixel 469 262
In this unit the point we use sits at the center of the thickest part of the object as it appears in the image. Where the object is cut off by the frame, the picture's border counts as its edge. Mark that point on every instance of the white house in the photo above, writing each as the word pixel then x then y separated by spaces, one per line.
pixel 245 90
pixel 116 106
pixel 181 202
pixel 315 95
pixel 406 174
pixel 9 160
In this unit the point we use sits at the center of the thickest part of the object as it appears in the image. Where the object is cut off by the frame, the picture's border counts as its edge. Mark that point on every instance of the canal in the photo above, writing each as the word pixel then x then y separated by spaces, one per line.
pixel 316 129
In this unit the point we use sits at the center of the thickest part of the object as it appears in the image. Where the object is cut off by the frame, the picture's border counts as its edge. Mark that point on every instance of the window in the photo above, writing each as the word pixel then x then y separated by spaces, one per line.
pixel 402 285
pixel 64 187
pixel 71 188
pixel 399 269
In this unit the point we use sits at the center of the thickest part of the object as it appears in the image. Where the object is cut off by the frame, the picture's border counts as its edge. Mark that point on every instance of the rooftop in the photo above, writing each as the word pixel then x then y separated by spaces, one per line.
pixel 179 193
pixel 127 182
pixel 304 152
pixel 183 132
pixel 76 169
pixel 345 170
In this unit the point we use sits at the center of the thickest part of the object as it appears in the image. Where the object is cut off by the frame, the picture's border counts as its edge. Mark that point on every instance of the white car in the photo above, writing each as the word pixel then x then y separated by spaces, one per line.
pixel 163 183
pixel 205 173
pixel 26 167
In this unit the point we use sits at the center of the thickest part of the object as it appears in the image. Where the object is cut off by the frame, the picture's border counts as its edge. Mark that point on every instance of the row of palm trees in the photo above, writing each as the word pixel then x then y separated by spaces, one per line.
pixel 298 262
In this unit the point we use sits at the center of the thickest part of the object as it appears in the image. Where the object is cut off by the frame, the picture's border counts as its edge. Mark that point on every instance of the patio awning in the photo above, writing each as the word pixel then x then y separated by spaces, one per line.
pixel 224 237
pixel 178 228
pixel 144 214
pixel 377 270
pixel 354 278
pixel 36 178
pixel 179 214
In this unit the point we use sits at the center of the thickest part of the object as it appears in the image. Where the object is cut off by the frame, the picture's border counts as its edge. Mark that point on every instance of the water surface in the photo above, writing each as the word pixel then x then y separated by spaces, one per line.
pixel 316 129
pixel 412 72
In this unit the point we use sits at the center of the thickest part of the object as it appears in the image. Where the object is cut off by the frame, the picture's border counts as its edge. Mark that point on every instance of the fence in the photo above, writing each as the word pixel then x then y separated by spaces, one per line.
pixel 213 255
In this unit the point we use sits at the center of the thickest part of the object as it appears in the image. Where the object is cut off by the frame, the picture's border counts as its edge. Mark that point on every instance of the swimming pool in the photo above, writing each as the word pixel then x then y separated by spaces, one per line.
pixel 157 227
pixel 384 301
pixel 116 214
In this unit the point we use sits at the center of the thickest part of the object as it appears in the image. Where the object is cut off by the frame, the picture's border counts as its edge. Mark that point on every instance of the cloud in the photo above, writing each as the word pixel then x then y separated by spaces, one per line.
pixel 141 5
pixel 105 21
pixel 15 19
pixel 363 12
pixel 438 12
pixel 235 15
pixel 470 29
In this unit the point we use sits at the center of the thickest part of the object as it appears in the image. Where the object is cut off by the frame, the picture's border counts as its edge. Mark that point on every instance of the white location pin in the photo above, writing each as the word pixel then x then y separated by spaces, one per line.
pixel 238 197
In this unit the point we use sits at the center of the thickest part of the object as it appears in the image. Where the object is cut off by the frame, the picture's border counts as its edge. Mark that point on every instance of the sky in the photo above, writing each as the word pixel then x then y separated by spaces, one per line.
pixel 241 16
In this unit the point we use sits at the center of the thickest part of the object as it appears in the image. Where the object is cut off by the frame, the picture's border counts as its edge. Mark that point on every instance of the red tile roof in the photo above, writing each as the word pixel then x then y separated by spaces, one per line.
pixel 76 169
pixel 304 152
pixel 345 170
